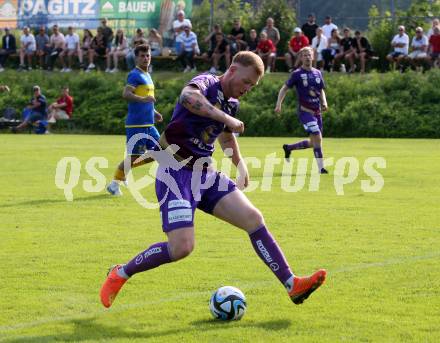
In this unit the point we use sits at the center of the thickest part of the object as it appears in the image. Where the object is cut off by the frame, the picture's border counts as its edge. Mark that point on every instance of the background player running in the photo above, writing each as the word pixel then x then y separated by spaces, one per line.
pixel 309 85
pixel 205 112
pixel 141 116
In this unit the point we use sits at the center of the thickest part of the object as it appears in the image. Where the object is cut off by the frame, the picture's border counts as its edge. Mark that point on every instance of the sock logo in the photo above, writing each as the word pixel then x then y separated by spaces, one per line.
pixel 265 253
pixel 274 266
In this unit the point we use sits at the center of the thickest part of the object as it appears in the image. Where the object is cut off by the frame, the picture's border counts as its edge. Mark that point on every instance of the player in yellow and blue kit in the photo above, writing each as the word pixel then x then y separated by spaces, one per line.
pixel 141 116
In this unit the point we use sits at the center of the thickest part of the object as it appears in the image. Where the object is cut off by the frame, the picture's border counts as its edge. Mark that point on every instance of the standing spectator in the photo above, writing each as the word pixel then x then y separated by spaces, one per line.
pixel 267 51
pixel 34 111
pixel 43 46
pixel 27 48
pixel 62 109
pixel 309 28
pixel 297 42
pixel 98 47
pixel 237 37
pixel 400 44
pixel 71 49
pixel 434 47
pixel 347 51
pixel 252 41
pixel 272 32
pixel 107 33
pixel 362 49
pixel 119 49
pixel 86 43
pixel 319 43
pixel 419 46
pixel 328 27
pixel 138 39
pixel 222 49
pixel 178 26
pixel 189 49
pixel 57 44
pixel 9 47
pixel 333 48
pixel 435 23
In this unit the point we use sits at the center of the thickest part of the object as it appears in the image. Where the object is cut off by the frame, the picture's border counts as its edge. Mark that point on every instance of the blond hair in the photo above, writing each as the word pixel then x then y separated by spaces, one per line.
pixel 249 59
pixel 306 48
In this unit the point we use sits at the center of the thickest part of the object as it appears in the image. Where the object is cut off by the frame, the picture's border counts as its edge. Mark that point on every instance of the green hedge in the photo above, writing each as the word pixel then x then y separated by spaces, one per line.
pixel 372 105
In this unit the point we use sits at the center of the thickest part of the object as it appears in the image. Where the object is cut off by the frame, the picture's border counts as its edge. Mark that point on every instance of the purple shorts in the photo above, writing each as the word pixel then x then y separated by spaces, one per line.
pixel 312 122
pixel 195 189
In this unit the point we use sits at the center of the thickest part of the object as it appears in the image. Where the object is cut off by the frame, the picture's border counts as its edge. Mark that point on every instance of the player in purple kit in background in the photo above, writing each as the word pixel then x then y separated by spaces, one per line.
pixel 312 101
pixel 205 112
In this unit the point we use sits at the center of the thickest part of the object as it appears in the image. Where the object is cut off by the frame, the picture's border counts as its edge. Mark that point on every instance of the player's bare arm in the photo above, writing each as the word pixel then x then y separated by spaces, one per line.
pixel 157 116
pixel 281 95
pixel 192 99
pixel 129 95
pixel 323 99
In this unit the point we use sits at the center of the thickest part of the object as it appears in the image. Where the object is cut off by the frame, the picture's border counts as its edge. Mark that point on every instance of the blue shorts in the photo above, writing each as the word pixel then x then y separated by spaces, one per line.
pixel 396 54
pixel 32 116
pixel 142 144
pixel 312 122
pixel 202 189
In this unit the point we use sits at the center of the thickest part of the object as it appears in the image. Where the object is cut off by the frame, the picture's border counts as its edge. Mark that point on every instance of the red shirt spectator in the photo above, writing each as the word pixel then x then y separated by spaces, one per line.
pixel 266 46
pixel 298 42
pixel 434 41
pixel 68 100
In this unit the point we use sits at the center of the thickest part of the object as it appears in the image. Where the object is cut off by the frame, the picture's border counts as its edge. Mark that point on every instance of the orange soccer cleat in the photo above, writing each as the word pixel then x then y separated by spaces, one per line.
pixel 111 286
pixel 306 285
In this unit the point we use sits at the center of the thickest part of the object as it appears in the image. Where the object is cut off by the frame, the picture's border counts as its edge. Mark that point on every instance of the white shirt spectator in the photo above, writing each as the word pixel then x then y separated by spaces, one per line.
pixel 188 41
pixel 72 41
pixel 404 39
pixel 327 29
pixel 177 24
pixel 57 40
pixel 416 44
pixel 319 44
pixel 28 42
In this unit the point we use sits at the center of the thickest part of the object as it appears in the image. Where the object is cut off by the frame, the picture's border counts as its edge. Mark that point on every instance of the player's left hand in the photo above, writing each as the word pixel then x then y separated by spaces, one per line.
pixel 158 117
pixel 242 176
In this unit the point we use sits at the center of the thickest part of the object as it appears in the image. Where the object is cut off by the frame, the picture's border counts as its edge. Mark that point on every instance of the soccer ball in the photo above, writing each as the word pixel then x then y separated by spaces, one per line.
pixel 227 303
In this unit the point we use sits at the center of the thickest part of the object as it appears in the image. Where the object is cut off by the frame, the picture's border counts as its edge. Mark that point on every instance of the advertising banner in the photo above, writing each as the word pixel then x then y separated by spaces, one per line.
pixel 8 13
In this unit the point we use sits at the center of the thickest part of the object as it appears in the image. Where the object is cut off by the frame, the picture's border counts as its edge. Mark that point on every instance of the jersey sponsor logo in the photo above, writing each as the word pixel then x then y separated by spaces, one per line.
pixel 318 80
pixel 179 203
pixel 264 252
pixel 182 215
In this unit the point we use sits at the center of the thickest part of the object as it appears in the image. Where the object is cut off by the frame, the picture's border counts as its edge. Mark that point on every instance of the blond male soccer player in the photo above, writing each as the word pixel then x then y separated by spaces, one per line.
pixel 205 112
pixel 139 92
pixel 309 86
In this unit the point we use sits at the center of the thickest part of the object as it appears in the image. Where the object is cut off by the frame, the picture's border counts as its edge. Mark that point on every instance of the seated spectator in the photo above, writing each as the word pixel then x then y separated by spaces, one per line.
pixel 419 46
pixel 43 46
pixel 267 51
pixel 138 39
pixel 62 109
pixel 86 43
pixel 189 49
pixel 221 50
pixel 155 42
pixel 9 47
pixel 57 45
pixel 328 27
pixel 98 48
pixel 434 47
pixel 211 40
pixel 435 23
pixel 34 111
pixel 273 34
pixel 178 26
pixel 309 28
pixel 347 51
pixel 252 41
pixel 319 43
pixel 296 43
pixel 333 48
pixel 27 48
pixel 400 43
pixel 237 37
pixel 107 32
pixel 119 50
pixel 362 50
pixel 71 48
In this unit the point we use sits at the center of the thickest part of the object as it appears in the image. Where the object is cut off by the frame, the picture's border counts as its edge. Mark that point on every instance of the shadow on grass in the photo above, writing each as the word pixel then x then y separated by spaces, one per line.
pixel 89 330
pixel 38 202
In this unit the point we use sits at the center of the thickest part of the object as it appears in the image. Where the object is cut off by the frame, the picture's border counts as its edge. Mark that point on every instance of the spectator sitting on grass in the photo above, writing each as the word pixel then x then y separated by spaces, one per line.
pixel 34 111
pixel 62 109
pixel 8 47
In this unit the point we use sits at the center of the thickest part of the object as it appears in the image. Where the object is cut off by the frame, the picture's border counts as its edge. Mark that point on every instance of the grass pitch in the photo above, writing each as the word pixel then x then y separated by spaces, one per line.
pixel 382 252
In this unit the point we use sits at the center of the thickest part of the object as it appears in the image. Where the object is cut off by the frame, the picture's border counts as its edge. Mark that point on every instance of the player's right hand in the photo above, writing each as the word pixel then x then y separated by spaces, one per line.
pixel 235 125
pixel 277 109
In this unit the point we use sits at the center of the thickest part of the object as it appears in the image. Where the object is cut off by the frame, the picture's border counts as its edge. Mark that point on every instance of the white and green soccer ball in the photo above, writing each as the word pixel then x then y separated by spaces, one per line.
pixel 227 303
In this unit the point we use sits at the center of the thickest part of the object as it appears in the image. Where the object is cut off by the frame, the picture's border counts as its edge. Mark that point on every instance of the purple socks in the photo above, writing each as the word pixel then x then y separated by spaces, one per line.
pixel 153 257
pixel 268 250
pixel 318 155
pixel 300 145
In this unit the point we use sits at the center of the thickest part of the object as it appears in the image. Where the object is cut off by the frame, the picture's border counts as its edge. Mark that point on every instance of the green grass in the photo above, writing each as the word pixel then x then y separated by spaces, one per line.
pixel 382 251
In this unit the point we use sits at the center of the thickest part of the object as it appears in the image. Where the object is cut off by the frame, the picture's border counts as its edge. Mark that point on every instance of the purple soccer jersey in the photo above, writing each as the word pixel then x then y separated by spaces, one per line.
pixel 309 86
pixel 194 134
